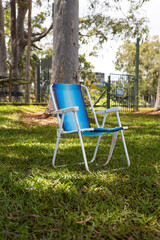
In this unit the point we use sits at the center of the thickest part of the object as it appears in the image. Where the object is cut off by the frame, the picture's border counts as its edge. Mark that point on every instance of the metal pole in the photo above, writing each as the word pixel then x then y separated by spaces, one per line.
pixel 53 10
pixel 108 91
pixel 38 81
pixel 137 75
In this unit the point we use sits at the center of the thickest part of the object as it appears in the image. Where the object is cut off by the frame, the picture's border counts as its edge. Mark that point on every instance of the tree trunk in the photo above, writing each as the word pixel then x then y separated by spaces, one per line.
pixel 28 55
pixel 21 43
pixel 14 63
pixel 13 39
pixel 65 44
pixel 157 104
pixel 22 9
pixel 3 66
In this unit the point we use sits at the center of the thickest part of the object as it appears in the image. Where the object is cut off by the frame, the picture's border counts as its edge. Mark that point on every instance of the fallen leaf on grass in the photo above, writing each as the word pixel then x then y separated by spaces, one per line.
pixel 84 221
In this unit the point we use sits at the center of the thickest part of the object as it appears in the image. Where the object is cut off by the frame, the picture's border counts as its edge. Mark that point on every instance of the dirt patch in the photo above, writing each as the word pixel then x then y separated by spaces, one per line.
pixel 38 118
pixel 147 113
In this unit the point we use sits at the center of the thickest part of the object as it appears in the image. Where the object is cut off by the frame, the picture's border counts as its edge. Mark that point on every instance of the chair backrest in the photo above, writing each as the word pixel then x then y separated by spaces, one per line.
pixel 70 95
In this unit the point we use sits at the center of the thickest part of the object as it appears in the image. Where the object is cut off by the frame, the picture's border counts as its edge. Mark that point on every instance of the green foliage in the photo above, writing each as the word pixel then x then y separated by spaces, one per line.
pixel 149 68
pixel 38 20
pixel 86 70
pixel 105 19
pixel 7 20
pixel 40 202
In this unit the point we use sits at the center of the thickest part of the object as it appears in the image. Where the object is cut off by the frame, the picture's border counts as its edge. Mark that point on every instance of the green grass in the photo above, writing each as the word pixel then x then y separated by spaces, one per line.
pixel 40 202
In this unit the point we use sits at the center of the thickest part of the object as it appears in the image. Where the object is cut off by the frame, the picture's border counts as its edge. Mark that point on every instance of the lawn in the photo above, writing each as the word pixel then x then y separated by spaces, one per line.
pixel 40 202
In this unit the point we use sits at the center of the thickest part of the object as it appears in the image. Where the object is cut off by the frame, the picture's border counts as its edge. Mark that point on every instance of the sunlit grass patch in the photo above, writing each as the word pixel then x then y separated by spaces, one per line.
pixel 112 202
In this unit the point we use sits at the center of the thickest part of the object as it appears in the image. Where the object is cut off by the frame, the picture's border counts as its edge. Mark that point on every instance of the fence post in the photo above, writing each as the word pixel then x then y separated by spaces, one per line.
pixel 38 76
pixel 137 75
pixel 38 81
pixel 108 91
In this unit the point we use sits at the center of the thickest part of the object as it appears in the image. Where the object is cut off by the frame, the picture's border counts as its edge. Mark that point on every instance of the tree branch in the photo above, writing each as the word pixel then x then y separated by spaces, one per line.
pixel 43 34
pixel 37 38
pixel 35 46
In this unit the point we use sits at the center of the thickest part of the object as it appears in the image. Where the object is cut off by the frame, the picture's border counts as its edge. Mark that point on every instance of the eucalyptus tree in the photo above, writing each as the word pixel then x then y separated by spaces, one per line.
pixel 3 67
pixel 157 104
pixel 28 55
pixel 65 43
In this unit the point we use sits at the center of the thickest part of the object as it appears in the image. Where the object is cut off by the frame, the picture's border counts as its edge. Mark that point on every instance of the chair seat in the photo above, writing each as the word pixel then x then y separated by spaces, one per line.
pixel 100 131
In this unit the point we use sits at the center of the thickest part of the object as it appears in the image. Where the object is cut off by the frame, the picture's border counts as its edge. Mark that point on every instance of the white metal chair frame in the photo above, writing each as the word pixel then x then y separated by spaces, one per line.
pixel 60 131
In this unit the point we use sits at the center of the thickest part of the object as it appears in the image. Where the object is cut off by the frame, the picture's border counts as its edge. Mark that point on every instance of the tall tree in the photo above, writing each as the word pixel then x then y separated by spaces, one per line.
pixel 28 55
pixel 3 67
pixel 22 34
pixel 65 43
pixel 157 104
pixel 13 39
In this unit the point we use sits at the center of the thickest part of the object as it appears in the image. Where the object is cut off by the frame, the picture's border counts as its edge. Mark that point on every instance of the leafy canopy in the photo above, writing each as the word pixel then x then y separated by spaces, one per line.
pixel 106 20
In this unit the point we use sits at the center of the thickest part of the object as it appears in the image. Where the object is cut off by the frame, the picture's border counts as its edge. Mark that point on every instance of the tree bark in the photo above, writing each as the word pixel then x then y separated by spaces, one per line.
pixel 28 55
pixel 157 104
pixel 13 39
pixel 21 43
pixel 65 44
pixel 3 66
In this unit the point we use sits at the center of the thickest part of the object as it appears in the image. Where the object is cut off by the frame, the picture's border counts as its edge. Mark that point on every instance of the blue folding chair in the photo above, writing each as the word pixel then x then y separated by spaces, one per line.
pixel 72 117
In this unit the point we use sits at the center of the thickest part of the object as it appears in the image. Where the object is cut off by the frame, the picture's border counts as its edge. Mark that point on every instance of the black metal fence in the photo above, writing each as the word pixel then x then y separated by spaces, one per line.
pixel 122 91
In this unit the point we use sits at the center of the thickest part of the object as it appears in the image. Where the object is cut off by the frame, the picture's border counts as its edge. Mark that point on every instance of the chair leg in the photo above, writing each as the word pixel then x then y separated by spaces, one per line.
pixel 125 148
pixel 55 151
pixel 83 151
pixel 82 145
pixel 99 138
pixel 114 138
pixel 96 149
pixel 58 138
pixel 124 143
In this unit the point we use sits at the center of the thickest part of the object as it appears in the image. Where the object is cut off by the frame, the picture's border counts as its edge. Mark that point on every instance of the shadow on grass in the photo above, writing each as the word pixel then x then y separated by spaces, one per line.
pixel 66 202
pixel 35 146
pixel 40 202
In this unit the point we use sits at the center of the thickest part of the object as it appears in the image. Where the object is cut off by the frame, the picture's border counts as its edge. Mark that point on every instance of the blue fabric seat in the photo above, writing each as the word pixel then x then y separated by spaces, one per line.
pixel 72 117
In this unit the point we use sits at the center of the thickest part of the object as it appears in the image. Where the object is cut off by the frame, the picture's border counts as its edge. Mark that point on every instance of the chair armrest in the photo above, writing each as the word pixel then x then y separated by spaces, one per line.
pixel 109 110
pixel 65 110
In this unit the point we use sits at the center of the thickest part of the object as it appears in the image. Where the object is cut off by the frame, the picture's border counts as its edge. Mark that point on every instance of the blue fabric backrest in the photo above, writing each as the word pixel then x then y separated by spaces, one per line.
pixel 70 95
